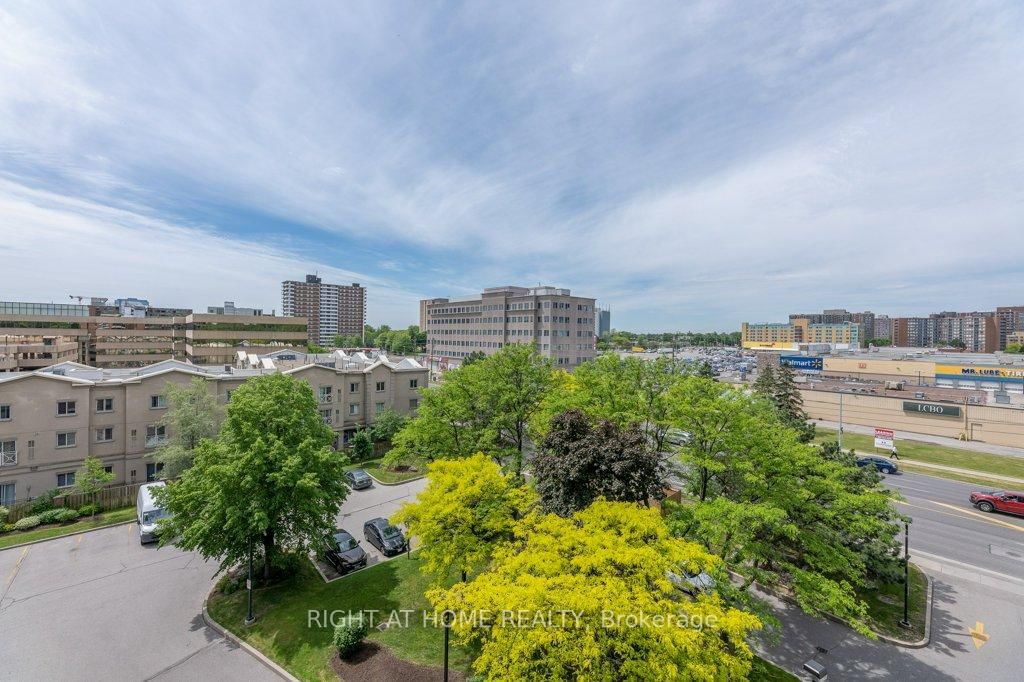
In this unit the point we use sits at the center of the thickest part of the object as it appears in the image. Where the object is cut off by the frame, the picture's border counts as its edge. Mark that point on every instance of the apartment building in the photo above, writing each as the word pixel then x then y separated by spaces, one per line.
pixel 52 418
pixel 107 337
pixel 229 308
pixel 865 319
pixel 560 325
pixel 330 309
pixel 1009 319
pixel 800 330
pixel 978 331
pixel 883 328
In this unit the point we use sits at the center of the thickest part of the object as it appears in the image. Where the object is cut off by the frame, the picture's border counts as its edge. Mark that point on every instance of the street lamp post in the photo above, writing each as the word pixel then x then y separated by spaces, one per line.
pixel 446 620
pixel 840 420
pixel 906 576
pixel 251 617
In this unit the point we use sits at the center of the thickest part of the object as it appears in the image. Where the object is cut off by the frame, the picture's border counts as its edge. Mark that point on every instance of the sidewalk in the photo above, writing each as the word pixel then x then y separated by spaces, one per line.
pixel 975 445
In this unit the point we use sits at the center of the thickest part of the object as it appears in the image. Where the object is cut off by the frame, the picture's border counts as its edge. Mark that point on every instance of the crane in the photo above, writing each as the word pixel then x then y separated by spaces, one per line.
pixel 96 300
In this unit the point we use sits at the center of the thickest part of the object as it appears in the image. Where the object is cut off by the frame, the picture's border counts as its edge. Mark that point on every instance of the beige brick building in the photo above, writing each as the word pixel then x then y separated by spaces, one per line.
pixel 330 309
pixel 52 418
pixel 559 324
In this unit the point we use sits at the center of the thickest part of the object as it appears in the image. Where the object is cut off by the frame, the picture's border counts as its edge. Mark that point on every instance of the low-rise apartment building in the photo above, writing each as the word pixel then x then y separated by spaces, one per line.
pixel 800 330
pixel 52 419
pixel 560 325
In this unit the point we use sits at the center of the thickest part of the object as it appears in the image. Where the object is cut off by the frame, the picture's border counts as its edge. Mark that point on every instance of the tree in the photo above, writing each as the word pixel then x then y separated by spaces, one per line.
pixel 958 343
pixel 778 511
pixel 879 342
pixel 313 348
pixel 597 574
pixel 764 385
pixel 270 477
pixel 790 403
pixel 91 479
pixel 468 507
pixel 474 356
pixel 192 415
pixel 704 369
pixel 341 341
pixel 580 462
pixel 362 445
pixel 1015 348
pixel 387 424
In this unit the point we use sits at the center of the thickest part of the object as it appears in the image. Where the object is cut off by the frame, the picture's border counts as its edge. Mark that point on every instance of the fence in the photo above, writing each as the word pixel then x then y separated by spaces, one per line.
pixel 108 498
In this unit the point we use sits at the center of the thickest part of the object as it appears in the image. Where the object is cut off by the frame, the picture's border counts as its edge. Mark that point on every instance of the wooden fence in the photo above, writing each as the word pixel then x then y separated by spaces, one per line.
pixel 108 498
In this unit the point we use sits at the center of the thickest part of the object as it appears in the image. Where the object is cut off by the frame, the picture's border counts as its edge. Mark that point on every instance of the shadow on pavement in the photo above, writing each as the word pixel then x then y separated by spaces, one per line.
pixel 949 634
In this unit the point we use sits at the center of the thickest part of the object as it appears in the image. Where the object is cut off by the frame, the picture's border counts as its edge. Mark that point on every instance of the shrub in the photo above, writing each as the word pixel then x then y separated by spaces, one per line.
pixel 44 502
pixel 89 509
pixel 66 515
pixel 4 511
pixel 6 527
pixel 49 516
pixel 26 523
pixel 349 634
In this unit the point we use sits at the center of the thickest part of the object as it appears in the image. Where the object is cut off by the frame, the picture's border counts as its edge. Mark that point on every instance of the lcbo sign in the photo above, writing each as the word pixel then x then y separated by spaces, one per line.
pixel 932 409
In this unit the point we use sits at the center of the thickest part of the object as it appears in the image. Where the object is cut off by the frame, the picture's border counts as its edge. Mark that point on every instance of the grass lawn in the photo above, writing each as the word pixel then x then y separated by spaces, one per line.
pixel 885 607
pixel 763 671
pixel 282 629
pixel 930 453
pixel 55 531
pixel 374 468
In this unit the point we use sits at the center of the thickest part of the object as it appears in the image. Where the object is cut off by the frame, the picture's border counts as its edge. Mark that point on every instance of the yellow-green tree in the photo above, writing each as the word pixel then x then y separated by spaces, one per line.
pixel 467 509
pixel 597 597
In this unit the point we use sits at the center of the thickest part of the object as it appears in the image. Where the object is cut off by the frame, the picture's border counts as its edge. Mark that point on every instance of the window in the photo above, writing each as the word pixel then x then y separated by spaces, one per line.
pixel 353 409
pixel 414 383
pixel 8 452
pixel 65 408
pixel 7 494
pixel 5 413
pixel 414 403
pixel 109 470
pixel 156 434
pixel 152 469
pixel 227 396
pixel 380 386
pixel 104 404
pixel 105 434
pixel 326 415
pixel 66 480
pixel 66 439
pixel 353 387
pixel 325 394
pixel 157 402
pixel 378 407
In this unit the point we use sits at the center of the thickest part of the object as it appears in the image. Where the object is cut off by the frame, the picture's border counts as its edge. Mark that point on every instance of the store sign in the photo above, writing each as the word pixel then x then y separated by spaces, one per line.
pixel 802 362
pixel 885 439
pixel 932 409
pixel 980 373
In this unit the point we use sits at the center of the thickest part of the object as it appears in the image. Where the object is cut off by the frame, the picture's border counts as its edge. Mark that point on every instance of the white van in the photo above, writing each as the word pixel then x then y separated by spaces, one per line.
pixel 147 512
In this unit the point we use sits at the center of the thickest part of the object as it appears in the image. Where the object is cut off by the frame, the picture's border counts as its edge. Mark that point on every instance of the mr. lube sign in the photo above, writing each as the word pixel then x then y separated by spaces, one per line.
pixel 932 409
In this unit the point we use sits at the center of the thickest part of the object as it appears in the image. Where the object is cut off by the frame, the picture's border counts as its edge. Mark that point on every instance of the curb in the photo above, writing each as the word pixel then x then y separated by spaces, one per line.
pixel 231 637
pixel 66 535
pixel 380 482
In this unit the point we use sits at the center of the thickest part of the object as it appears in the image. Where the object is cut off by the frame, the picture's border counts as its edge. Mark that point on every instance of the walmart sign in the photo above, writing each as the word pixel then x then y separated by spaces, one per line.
pixel 802 362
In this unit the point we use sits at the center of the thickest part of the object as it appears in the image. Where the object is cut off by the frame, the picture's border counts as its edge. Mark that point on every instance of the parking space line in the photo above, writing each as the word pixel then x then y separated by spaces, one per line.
pixel 14 573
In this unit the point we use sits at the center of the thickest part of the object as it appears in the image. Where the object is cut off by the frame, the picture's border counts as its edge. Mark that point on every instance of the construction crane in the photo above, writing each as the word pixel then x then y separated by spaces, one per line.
pixel 98 299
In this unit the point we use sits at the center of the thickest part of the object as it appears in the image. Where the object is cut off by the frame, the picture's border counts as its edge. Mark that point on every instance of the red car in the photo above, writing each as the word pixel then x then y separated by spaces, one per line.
pixel 999 500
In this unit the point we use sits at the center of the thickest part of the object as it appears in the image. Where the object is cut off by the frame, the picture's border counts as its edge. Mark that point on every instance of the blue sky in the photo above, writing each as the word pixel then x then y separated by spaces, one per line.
pixel 691 164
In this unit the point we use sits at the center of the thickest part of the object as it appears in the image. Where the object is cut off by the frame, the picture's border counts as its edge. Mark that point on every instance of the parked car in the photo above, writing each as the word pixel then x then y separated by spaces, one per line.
pixel 883 464
pixel 358 479
pixel 999 500
pixel 344 552
pixel 385 537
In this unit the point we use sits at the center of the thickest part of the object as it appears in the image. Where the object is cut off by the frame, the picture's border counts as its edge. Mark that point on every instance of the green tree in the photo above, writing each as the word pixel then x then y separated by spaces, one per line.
pixel 705 370
pixel 92 478
pixel 467 508
pixel 606 564
pixel 474 356
pixel 313 348
pixel 269 477
pixel 1015 348
pixel 192 415
pixel 387 424
pixel 580 462
pixel 879 342
pixel 341 341
pixel 764 385
pixel 362 445
pixel 790 403
pixel 778 511
pixel 958 343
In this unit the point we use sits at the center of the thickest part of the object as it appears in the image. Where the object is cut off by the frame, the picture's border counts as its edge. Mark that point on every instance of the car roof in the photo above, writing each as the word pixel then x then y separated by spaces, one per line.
pixel 341 531
pixel 358 472
pixel 379 522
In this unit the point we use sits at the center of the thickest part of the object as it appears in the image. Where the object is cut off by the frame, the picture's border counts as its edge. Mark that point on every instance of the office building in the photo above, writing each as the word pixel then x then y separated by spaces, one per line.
pixel 104 337
pixel 20 352
pixel 229 308
pixel 604 321
pixel 52 419
pixel 560 325
pixel 330 309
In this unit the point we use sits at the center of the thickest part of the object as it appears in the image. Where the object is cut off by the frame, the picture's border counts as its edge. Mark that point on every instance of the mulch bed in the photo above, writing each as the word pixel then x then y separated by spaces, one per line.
pixel 375 663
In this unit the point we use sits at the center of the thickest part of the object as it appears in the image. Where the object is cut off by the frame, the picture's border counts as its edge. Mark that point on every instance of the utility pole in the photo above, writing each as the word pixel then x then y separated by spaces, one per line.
pixel 840 420
pixel 251 617
pixel 906 576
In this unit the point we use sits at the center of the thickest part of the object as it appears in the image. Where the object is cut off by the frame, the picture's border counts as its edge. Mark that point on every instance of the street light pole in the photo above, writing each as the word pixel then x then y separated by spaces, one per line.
pixel 250 618
pixel 840 420
pixel 906 576
pixel 446 621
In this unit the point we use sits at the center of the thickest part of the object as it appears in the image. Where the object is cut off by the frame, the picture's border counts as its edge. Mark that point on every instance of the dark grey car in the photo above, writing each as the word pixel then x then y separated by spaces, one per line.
pixel 385 537
pixel 344 552
pixel 358 479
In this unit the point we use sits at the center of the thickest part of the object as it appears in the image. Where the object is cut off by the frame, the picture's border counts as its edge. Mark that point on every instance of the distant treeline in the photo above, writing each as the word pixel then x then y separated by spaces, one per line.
pixel 623 340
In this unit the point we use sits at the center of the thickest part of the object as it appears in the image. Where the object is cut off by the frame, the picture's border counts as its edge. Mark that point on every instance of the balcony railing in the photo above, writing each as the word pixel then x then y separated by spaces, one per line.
pixel 9 458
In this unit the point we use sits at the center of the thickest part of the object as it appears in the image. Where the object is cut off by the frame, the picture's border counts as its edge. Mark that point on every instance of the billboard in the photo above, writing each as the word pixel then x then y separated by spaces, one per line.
pixel 980 373
pixel 932 409
pixel 802 362
pixel 885 439
pixel 769 345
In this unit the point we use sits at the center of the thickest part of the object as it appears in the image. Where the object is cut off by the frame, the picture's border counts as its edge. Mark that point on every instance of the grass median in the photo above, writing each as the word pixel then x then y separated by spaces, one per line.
pixel 375 468
pixel 109 518
pixel 885 607
pixel 931 453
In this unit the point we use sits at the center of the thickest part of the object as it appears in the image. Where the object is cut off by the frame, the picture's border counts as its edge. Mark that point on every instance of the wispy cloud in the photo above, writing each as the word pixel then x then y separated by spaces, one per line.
pixel 692 165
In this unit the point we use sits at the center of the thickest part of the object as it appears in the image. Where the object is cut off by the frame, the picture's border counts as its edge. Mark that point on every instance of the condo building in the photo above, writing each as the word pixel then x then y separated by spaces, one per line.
pixel 561 326
pixel 51 419
pixel 800 330
pixel 330 309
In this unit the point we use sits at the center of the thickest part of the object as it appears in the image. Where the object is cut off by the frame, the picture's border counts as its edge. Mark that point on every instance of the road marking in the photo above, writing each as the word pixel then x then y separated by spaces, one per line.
pixel 980 517
pixel 14 573
pixel 978 634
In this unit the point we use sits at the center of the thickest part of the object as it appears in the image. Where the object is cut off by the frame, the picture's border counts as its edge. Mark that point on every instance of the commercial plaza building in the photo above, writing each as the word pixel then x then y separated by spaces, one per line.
pixel 52 419
pixel 560 325
pixel 329 309
pixel 106 337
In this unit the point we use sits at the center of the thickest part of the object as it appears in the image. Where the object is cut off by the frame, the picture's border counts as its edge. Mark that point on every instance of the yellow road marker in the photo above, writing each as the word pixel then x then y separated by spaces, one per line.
pixel 17 567
pixel 962 513
pixel 979 635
